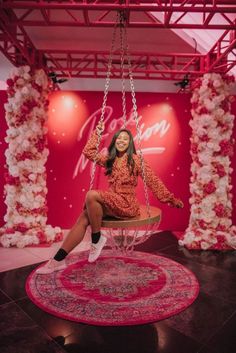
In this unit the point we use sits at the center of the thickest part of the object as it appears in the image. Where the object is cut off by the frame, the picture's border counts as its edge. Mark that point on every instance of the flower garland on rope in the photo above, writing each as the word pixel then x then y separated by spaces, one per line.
pixel 210 224
pixel 25 178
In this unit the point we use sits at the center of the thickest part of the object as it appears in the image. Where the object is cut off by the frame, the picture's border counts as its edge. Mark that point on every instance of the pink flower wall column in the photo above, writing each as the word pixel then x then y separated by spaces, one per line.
pixel 26 155
pixel 210 224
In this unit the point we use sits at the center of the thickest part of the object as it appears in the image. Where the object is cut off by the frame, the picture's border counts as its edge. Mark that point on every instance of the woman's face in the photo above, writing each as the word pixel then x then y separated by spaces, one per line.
pixel 122 142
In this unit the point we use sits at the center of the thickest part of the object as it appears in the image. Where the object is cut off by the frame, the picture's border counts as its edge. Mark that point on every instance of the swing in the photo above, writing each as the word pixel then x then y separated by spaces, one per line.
pixel 124 234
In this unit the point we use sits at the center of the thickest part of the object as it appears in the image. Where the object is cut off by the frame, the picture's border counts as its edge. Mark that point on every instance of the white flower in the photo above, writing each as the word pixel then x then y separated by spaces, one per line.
pixel 205 245
pixel 217 125
pixel 20 82
pixel 19 140
pixel 41 78
pixel 32 176
pixel 189 237
pixel 217 83
pixel 26 69
pixel 25 91
pixel 205 157
pixel 26 76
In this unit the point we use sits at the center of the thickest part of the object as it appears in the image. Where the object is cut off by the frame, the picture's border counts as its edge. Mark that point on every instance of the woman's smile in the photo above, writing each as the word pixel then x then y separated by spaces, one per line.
pixel 122 142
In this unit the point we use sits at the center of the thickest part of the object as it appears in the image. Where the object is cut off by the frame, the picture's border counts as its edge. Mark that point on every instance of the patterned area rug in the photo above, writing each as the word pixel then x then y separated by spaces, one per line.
pixel 115 290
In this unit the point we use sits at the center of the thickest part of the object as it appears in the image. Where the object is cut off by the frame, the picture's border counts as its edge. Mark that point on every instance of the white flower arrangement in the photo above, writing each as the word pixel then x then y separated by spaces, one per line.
pixel 210 225
pixel 25 188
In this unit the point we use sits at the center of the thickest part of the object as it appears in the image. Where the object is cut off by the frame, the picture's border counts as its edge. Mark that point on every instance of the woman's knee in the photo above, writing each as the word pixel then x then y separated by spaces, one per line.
pixel 91 196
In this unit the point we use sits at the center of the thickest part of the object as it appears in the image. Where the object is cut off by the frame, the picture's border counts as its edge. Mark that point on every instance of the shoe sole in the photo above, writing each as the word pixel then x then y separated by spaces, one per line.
pixel 93 260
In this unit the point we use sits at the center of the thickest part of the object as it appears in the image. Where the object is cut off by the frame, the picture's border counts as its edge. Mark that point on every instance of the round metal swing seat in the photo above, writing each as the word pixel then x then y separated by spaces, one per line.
pixel 124 234
pixel 141 220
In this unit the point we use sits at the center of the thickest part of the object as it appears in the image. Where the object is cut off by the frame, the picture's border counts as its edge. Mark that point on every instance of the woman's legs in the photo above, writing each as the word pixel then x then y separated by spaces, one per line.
pixel 94 206
pixel 77 232
pixel 92 215
pixel 74 237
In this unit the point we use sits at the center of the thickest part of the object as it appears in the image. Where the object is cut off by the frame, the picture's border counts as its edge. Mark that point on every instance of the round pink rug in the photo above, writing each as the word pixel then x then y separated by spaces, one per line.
pixel 115 290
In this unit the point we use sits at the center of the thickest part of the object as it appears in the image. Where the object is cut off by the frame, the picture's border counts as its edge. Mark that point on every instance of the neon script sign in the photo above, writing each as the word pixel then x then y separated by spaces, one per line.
pixel 161 127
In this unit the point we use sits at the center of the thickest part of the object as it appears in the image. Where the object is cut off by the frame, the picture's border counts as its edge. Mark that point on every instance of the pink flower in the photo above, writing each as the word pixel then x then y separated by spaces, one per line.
pixel 42 237
pixel 16 78
pixel 219 168
pixel 221 228
pixel 27 106
pixel 220 242
pixel 202 224
pixel 226 148
pixel 197 83
pixel 194 147
pixel 25 155
pixel 59 236
pixel 205 138
pixel 24 109
pixel 40 144
pixel 209 188
pixel 194 105
pixel 219 210
pixel 21 227
pixel 9 230
pixel 203 110
pixel 197 197
pixel 10 82
pixel 11 92
pixel 46 103
pixel 10 180
pixel 37 87
pixel 225 105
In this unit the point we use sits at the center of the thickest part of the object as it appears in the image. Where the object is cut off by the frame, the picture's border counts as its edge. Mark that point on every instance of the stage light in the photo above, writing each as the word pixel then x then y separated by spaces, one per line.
pixel 53 76
pixel 68 102
pixel 184 83
pixel 67 113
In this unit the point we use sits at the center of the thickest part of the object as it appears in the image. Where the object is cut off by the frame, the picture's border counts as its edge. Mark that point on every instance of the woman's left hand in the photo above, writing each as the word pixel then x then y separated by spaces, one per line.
pixel 178 203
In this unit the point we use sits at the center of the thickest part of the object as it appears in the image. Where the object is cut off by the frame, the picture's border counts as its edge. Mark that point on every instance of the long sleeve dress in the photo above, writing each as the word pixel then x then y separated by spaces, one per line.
pixel 120 199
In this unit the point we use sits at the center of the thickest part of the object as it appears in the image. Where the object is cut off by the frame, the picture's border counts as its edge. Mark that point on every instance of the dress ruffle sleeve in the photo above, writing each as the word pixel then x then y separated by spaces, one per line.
pixel 90 150
pixel 155 184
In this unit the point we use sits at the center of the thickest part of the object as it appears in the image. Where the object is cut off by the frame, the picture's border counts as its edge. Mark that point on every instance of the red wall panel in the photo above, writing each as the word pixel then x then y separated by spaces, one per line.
pixel 164 119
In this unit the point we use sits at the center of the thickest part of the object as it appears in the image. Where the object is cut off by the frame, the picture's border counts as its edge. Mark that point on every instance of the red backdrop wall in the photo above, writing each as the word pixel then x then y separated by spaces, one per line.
pixel 165 143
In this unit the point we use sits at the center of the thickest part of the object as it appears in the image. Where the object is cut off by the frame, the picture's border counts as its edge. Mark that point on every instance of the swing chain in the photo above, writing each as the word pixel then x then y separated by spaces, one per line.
pixel 107 84
pixel 121 21
pixel 135 114
pixel 122 50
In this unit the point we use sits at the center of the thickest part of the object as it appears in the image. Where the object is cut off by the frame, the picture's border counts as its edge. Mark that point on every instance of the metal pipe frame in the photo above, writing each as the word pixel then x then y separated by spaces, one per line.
pixel 19 49
pixel 78 13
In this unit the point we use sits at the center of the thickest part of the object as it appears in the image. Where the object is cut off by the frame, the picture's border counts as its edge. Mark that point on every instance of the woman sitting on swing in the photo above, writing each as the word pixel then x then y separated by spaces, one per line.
pixel 122 166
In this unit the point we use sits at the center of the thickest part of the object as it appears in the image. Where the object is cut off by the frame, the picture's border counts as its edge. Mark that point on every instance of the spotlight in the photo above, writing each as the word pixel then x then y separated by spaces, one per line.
pixel 52 74
pixel 61 80
pixel 184 83
pixel 54 78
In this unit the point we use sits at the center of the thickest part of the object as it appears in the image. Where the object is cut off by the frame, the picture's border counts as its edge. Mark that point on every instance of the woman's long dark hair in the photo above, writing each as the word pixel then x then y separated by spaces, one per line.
pixel 112 152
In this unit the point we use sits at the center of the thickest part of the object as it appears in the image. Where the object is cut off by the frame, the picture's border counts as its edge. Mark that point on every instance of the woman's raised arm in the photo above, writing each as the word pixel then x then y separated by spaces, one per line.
pixel 90 150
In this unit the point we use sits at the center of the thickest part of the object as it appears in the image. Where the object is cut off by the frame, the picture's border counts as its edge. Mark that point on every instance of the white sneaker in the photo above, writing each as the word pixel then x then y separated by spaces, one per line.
pixel 96 249
pixel 51 266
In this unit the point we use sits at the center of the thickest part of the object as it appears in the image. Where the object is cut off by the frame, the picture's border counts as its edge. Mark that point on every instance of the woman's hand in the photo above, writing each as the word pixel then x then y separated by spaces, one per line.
pixel 100 127
pixel 177 203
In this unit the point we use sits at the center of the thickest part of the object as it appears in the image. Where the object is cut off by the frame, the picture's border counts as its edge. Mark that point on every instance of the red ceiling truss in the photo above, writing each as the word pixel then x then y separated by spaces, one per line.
pixel 17 15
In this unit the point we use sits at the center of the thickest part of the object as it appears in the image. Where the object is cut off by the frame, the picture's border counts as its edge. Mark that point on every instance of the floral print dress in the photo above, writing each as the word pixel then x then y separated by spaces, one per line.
pixel 120 199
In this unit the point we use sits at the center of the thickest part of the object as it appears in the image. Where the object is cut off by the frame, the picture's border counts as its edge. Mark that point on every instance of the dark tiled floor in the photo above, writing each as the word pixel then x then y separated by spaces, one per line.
pixel 207 326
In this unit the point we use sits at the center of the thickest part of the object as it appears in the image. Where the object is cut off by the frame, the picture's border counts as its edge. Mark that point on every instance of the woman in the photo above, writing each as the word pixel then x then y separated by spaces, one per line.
pixel 122 166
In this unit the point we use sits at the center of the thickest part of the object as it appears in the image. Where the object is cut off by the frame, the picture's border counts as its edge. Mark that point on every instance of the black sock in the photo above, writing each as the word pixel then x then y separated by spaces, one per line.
pixel 96 237
pixel 60 255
